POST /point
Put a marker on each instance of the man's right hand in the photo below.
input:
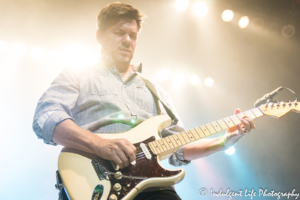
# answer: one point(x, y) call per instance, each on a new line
point(121, 151)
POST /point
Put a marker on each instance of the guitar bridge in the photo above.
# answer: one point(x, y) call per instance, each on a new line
point(100, 170)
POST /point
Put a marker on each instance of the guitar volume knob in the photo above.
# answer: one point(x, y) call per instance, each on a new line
point(117, 187)
point(113, 197)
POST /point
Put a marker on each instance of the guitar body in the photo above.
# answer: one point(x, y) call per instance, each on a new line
point(80, 177)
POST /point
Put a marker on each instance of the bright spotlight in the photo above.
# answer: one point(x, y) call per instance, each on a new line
point(230, 151)
point(3, 46)
point(288, 31)
point(244, 21)
point(194, 79)
point(76, 56)
point(37, 53)
point(181, 5)
point(18, 49)
point(200, 9)
point(178, 79)
point(227, 15)
point(164, 74)
point(209, 82)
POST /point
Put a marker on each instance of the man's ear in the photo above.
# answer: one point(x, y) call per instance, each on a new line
point(98, 37)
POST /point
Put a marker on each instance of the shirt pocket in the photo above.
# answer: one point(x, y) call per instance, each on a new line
point(144, 99)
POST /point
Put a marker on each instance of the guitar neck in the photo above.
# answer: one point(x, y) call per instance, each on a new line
point(172, 143)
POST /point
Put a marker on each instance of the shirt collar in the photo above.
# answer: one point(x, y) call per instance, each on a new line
point(106, 61)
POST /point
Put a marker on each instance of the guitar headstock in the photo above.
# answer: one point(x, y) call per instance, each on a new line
point(280, 109)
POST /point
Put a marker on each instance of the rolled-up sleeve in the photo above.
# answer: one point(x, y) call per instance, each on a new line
point(56, 105)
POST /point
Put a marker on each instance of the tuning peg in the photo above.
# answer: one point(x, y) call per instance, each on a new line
point(290, 103)
point(272, 105)
point(278, 104)
point(296, 103)
point(283, 104)
point(266, 105)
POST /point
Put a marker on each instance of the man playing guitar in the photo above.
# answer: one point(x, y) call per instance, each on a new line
point(111, 98)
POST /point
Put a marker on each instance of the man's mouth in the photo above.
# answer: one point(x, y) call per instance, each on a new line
point(125, 50)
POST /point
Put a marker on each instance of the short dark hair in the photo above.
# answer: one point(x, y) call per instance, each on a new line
point(117, 10)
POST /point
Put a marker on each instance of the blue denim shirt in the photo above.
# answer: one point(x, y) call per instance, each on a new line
point(97, 99)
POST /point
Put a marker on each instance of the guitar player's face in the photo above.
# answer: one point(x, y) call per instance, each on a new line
point(119, 40)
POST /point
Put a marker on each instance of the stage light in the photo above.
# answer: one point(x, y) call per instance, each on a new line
point(75, 56)
point(93, 58)
point(181, 5)
point(227, 15)
point(230, 151)
point(209, 82)
point(37, 53)
point(3, 46)
point(244, 21)
point(178, 79)
point(164, 74)
point(18, 49)
point(288, 31)
point(200, 9)
point(194, 79)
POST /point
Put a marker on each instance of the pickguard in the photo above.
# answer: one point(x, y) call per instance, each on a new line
point(148, 168)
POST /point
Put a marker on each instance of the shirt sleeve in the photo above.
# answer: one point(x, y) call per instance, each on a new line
point(56, 105)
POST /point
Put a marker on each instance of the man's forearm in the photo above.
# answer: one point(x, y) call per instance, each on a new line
point(203, 148)
point(68, 134)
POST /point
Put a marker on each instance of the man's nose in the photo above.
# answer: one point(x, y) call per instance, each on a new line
point(126, 40)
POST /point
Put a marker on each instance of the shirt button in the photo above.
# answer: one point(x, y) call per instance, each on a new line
point(145, 90)
point(115, 70)
point(127, 101)
point(124, 85)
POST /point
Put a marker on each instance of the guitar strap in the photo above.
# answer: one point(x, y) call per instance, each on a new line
point(151, 87)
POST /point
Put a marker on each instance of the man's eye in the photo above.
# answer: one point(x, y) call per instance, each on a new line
point(119, 33)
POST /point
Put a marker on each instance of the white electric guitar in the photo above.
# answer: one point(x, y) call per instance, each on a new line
point(88, 177)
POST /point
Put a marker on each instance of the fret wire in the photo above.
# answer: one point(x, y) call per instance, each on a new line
point(229, 121)
point(158, 145)
point(173, 141)
point(205, 131)
point(169, 143)
point(177, 140)
point(250, 114)
point(185, 137)
point(216, 126)
point(253, 113)
point(161, 146)
point(221, 123)
point(166, 143)
point(210, 128)
point(151, 147)
point(197, 133)
point(235, 119)
point(202, 135)
point(182, 140)
point(192, 138)
point(196, 136)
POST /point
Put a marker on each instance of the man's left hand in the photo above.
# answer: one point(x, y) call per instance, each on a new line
point(235, 133)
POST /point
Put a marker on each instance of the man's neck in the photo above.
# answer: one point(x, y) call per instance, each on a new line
point(124, 70)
